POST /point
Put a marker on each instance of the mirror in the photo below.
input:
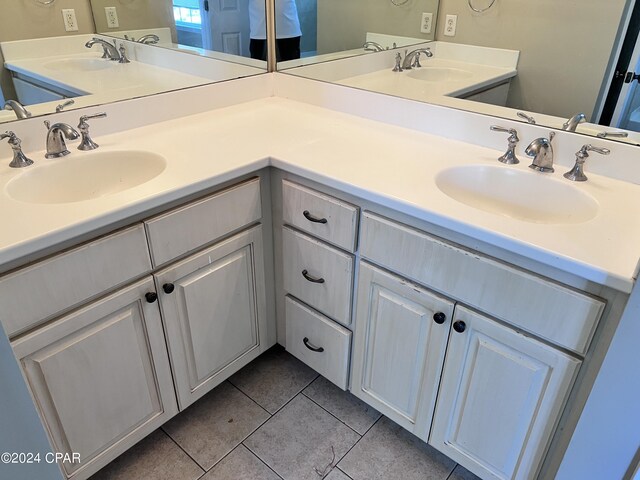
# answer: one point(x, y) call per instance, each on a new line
point(171, 44)
point(544, 62)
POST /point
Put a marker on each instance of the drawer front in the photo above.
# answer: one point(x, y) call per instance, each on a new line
point(555, 313)
point(37, 293)
point(323, 216)
point(327, 281)
point(318, 342)
point(182, 230)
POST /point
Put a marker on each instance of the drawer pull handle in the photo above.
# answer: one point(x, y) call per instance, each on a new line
point(168, 287)
point(151, 297)
point(305, 340)
point(459, 326)
point(306, 275)
point(313, 219)
point(439, 318)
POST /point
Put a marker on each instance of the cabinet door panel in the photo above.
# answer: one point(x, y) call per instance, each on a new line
point(105, 381)
point(500, 397)
point(215, 316)
point(399, 349)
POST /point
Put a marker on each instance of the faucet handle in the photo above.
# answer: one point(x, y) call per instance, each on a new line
point(62, 106)
point(87, 143)
point(526, 117)
point(19, 158)
point(576, 174)
point(509, 156)
point(398, 67)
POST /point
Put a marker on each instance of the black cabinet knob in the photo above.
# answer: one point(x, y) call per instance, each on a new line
point(459, 326)
point(439, 318)
point(168, 287)
point(151, 297)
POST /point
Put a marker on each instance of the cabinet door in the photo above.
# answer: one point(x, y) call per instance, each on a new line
point(100, 377)
point(214, 309)
point(500, 398)
point(399, 347)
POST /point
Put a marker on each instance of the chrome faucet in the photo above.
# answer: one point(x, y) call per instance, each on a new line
point(56, 133)
point(509, 156)
point(372, 47)
point(526, 117)
point(542, 152)
point(149, 39)
point(64, 105)
point(571, 124)
point(576, 174)
point(406, 65)
point(86, 143)
point(19, 158)
point(109, 50)
point(17, 108)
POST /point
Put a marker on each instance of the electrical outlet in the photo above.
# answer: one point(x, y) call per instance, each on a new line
point(112, 17)
point(69, 18)
point(427, 22)
point(450, 24)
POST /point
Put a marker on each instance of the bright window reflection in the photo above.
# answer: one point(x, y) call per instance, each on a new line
point(187, 12)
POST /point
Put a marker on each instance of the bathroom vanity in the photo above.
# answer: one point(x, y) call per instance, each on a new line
point(479, 332)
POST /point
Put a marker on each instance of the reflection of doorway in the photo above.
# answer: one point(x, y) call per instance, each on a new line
point(219, 25)
point(622, 105)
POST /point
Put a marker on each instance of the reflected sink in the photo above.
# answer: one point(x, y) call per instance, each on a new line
point(438, 74)
point(85, 176)
point(80, 64)
point(528, 196)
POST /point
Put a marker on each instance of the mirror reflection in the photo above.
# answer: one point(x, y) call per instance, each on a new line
point(64, 54)
point(551, 62)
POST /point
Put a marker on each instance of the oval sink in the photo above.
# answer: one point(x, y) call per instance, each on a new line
point(438, 74)
point(80, 64)
point(527, 196)
point(85, 176)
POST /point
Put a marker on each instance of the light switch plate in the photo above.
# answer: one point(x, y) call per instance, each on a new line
point(427, 22)
point(70, 21)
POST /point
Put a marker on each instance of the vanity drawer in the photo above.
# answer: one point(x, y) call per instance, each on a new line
point(327, 281)
point(556, 313)
point(323, 216)
point(39, 292)
point(308, 332)
point(186, 228)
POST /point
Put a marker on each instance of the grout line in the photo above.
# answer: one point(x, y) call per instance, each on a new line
point(451, 473)
point(261, 460)
point(204, 470)
point(240, 390)
point(343, 472)
point(334, 416)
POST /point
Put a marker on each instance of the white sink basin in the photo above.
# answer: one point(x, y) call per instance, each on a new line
point(438, 74)
point(84, 176)
point(79, 64)
point(523, 195)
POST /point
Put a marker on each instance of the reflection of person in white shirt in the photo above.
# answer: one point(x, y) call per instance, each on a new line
point(288, 31)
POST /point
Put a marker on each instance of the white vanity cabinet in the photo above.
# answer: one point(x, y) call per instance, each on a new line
point(214, 310)
point(500, 397)
point(100, 376)
point(400, 338)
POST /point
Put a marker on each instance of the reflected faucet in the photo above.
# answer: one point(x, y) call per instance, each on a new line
point(56, 134)
point(406, 65)
point(372, 47)
point(571, 124)
point(150, 39)
point(109, 50)
point(17, 108)
point(542, 152)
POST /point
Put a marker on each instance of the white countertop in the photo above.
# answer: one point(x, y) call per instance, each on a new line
point(389, 165)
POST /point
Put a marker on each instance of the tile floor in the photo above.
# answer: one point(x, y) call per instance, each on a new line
point(277, 419)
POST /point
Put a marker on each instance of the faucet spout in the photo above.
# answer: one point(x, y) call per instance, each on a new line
point(149, 39)
point(56, 134)
point(408, 59)
point(109, 50)
point(571, 124)
point(372, 47)
point(17, 108)
point(542, 152)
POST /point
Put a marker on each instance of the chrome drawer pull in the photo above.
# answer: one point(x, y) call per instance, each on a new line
point(305, 340)
point(311, 218)
point(308, 277)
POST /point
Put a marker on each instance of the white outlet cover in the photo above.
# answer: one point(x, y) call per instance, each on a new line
point(450, 25)
point(426, 23)
point(112, 17)
point(69, 19)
